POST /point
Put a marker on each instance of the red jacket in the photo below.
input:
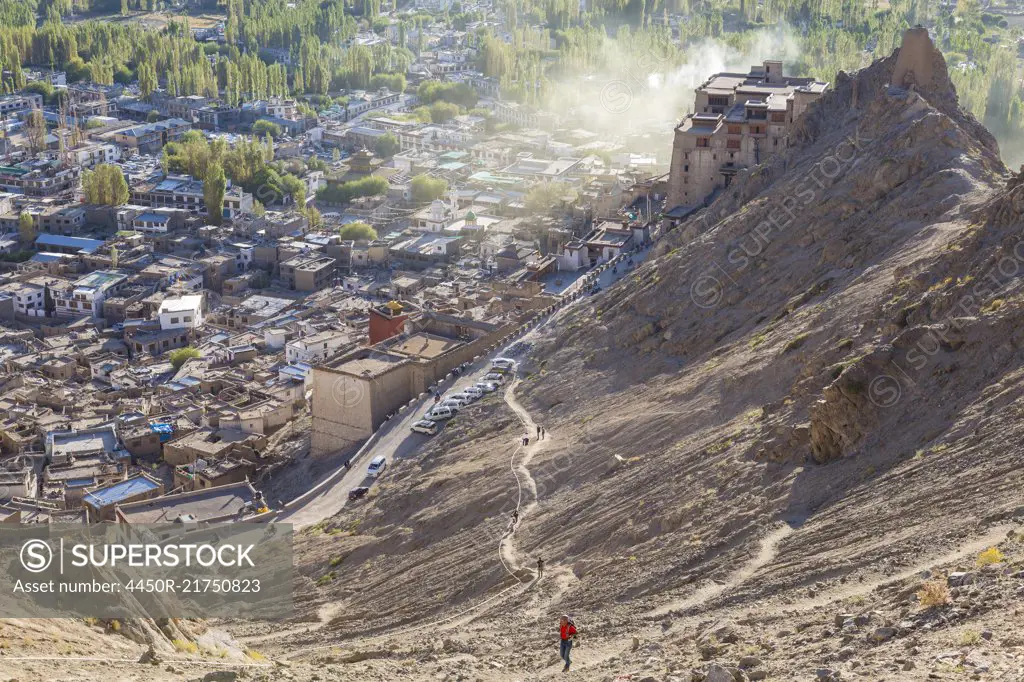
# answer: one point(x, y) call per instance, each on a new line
point(567, 631)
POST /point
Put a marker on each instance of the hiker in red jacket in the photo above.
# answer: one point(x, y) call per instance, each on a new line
point(567, 629)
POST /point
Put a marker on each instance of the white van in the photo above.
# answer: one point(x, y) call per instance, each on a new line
point(453, 405)
point(377, 466)
point(439, 414)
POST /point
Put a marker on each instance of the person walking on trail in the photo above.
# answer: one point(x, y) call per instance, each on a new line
point(538, 432)
point(540, 568)
point(543, 433)
point(526, 440)
point(567, 631)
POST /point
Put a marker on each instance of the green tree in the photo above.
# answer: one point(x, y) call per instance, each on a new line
point(263, 128)
point(214, 187)
point(346, 192)
point(105, 186)
point(316, 221)
point(147, 79)
point(27, 231)
point(440, 112)
point(295, 188)
point(357, 232)
point(36, 132)
point(542, 196)
point(425, 188)
point(386, 146)
point(179, 356)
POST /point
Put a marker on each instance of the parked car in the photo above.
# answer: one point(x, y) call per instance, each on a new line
point(487, 386)
point(502, 365)
point(474, 391)
point(357, 493)
point(425, 426)
point(439, 414)
point(377, 466)
point(495, 378)
point(595, 290)
point(463, 397)
point(453, 405)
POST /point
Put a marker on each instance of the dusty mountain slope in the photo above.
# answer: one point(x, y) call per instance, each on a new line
point(789, 361)
point(814, 395)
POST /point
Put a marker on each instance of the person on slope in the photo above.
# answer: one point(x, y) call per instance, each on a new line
point(567, 630)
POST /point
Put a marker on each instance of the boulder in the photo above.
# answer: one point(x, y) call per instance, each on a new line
point(717, 673)
point(883, 634)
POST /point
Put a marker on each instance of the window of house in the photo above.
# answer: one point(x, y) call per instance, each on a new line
point(174, 320)
point(703, 142)
point(778, 117)
point(187, 318)
point(735, 130)
point(732, 144)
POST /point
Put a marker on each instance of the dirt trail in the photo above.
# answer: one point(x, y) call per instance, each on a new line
point(767, 552)
point(971, 549)
point(507, 554)
point(524, 480)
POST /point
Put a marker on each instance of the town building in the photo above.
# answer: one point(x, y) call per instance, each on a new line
point(317, 347)
point(307, 272)
point(84, 297)
point(39, 178)
point(181, 313)
point(185, 192)
point(149, 138)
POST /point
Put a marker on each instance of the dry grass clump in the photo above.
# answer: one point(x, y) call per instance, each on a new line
point(934, 593)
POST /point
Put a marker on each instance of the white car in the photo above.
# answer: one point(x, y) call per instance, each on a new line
point(474, 391)
point(453, 405)
point(487, 386)
point(377, 466)
point(439, 414)
point(425, 426)
point(502, 365)
point(495, 378)
point(464, 397)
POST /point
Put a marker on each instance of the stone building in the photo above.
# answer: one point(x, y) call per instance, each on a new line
point(739, 120)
